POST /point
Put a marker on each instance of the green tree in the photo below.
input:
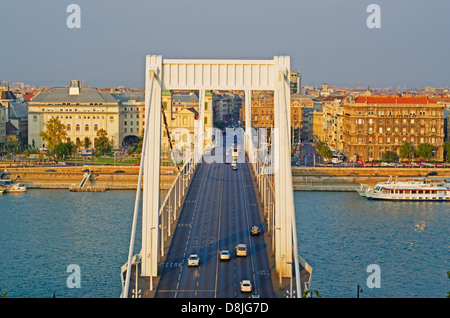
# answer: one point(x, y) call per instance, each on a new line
point(12, 146)
point(54, 133)
point(103, 144)
point(64, 149)
point(390, 156)
point(406, 150)
point(323, 150)
point(447, 150)
point(310, 293)
point(425, 151)
point(87, 143)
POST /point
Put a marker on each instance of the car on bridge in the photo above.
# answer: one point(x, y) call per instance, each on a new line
point(255, 231)
point(224, 254)
point(246, 286)
point(193, 260)
point(241, 250)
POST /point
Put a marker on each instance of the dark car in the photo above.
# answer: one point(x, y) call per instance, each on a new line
point(50, 170)
point(432, 173)
point(119, 171)
point(255, 230)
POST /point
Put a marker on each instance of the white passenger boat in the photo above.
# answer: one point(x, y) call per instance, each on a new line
point(419, 189)
point(15, 188)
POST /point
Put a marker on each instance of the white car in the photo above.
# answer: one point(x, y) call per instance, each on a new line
point(246, 286)
point(224, 254)
point(193, 260)
point(241, 250)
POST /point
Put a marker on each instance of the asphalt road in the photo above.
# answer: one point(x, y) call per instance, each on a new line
point(219, 210)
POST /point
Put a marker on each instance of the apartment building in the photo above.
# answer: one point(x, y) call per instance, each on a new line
point(374, 125)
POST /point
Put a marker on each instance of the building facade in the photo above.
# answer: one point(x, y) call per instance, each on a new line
point(181, 112)
point(2, 129)
point(374, 125)
point(84, 111)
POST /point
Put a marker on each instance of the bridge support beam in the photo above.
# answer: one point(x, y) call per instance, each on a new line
point(151, 189)
point(284, 204)
point(221, 75)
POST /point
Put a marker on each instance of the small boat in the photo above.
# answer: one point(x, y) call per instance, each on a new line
point(419, 189)
point(16, 188)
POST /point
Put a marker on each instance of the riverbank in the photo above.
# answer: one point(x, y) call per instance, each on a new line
point(62, 177)
point(350, 178)
point(126, 177)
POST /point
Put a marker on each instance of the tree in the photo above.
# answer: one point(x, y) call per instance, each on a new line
point(103, 144)
point(390, 156)
point(425, 151)
point(54, 133)
point(323, 150)
point(406, 150)
point(64, 149)
point(87, 143)
point(447, 150)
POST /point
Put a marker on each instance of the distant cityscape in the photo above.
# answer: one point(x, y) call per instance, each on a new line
point(361, 123)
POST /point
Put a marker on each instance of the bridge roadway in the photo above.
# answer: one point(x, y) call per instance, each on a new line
point(219, 210)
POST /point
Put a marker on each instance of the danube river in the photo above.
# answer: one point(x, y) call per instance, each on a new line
point(43, 232)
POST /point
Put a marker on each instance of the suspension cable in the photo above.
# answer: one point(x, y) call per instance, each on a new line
point(183, 174)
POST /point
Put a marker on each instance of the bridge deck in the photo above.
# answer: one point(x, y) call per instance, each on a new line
point(219, 209)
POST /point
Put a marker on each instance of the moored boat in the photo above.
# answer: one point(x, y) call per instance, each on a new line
point(15, 188)
point(418, 189)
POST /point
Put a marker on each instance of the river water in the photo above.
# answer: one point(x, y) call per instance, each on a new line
point(43, 232)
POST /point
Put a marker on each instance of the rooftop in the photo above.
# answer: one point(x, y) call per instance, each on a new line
point(61, 95)
point(395, 100)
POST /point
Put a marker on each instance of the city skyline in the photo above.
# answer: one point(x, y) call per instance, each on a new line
point(328, 42)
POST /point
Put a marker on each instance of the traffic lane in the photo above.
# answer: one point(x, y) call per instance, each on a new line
point(195, 282)
point(245, 265)
point(238, 267)
point(177, 255)
point(226, 285)
point(262, 283)
point(210, 230)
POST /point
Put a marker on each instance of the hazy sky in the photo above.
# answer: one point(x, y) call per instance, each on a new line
point(328, 40)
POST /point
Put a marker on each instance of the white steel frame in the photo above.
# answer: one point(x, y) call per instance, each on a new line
point(247, 75)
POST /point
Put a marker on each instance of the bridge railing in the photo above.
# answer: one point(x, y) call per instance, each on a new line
point(266, 188)
point(171, 206)
point(169, 211)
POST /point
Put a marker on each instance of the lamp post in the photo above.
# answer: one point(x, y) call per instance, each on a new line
point(358, 291)
point(290, 283)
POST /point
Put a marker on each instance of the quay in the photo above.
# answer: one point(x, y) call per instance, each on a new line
point(126, 177)
point(103, 177)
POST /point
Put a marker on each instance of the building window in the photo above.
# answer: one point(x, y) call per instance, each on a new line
point(68, 127)
point(95, 127)
point(86, 128)
point(77, 127)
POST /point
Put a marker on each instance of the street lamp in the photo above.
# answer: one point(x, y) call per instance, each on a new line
point(358, 291)
point(290, 284)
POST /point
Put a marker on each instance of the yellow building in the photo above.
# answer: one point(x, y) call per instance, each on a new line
point(83, 111)
point(2, 128)
point(333, 115)
point(182, 113)
point(374, 125)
